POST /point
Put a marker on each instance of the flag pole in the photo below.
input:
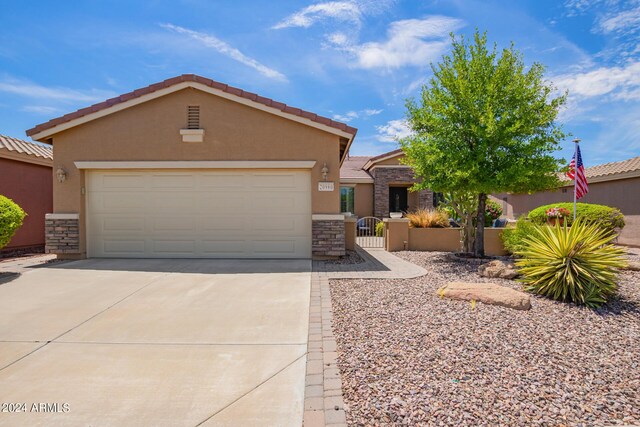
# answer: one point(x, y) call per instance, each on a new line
point(575, 177)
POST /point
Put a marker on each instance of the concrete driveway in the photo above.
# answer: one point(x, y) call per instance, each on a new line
point(155, 342)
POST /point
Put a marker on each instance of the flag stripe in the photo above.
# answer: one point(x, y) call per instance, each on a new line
point(576, 172)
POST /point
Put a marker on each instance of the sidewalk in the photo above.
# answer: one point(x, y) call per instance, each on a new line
point(379, 264)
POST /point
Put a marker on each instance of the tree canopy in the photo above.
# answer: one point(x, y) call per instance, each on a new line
point(485, 124)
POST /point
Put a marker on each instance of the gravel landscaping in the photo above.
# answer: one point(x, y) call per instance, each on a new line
point(409, 357)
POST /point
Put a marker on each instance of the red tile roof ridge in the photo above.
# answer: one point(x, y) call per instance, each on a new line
point(196, 79)
point(25, 147)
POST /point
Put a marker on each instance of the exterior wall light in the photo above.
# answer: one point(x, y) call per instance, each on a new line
point(61, 174)
point(325, 171)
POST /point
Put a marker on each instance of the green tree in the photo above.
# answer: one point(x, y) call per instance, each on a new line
point(485, 124)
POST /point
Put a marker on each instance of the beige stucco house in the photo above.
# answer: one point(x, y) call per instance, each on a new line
point(615, 184)
point(376, 186)
point(190, 167)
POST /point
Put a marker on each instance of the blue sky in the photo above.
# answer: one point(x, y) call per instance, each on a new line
point(353, 60)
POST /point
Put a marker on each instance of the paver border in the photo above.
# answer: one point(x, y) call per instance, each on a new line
point(323, 402)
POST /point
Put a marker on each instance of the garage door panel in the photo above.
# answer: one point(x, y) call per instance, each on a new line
point(222, 223)
point(199, 214)
point(170, 180)
point(118, 202)
point(174, 247)
point(281, 181)
point(221, 203)
point(222, 247)
point(170, 224)
point(123, 247)
point(222, 182)
point(118, 181)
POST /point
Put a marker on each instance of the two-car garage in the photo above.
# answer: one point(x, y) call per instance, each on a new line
point(237, 213)
point(193, 168)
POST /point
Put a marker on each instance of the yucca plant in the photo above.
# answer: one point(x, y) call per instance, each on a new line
point(577, 263)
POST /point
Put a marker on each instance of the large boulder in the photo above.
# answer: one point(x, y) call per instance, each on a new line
point(497, 268)
point(488, 293)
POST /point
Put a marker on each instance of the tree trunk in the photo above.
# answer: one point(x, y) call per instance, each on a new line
point(479, 246)
point(468, 235)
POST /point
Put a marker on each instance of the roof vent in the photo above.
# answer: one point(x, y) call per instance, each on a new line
point(193, 117)
point(193, 132)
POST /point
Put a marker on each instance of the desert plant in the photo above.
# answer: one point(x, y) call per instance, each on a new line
point(513, 237)
point(380, 229)
point(606, 217)
point(11, 217)
point(577, 263)
point(425, 218)
point(492, 211)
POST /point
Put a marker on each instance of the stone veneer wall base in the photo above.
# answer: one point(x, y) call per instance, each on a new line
point(328, 238)
point(62, 234)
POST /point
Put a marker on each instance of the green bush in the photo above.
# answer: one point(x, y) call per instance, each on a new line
point(11, 217)
point(513, 237)
point(606, 217)
point(577, 263)
point(380, 229)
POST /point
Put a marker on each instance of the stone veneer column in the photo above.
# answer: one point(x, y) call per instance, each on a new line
point(328, 235)
point(382, 177)
point(62, 233)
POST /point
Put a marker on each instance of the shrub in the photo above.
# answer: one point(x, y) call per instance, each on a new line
point(606, 217)
point(11, 217)
point(513, 237)
point(423, 218)
point(492, 211)
point(380, 229)
point(577, 264)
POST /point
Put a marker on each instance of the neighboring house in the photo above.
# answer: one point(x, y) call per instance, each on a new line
point(375, 186)
point(25, 177)
point(614, 184)
point(190, 167)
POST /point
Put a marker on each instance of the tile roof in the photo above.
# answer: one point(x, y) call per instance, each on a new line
point(628, 165)
point(610, 171)
point(197, 79)
point(352, 168)
point(25, 147)
point(387, 154)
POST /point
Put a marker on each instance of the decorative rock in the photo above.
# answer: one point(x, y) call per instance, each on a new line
point(497, 268)
point(488, 293)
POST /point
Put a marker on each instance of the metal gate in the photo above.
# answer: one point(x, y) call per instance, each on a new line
point(370, 232)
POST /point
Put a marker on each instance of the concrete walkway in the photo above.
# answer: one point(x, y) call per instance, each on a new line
point(379, 264)
point(155, 342)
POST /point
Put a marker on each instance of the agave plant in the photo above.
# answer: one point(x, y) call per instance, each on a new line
point(577, 263)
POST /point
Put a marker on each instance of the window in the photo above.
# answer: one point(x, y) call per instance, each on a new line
point(346, 199)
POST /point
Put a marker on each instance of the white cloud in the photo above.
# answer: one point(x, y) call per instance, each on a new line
point(339, 10)
point(351, 11)
point(32, 90)
point(393, 130)
point(621, 22)
point(227, 50)
point(413, 42)
point(350, 115)
point(621, 82)
point(40, 109)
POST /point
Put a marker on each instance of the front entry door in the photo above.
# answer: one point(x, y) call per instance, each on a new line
point(398, 199)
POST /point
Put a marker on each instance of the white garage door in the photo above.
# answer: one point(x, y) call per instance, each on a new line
point(199, 214)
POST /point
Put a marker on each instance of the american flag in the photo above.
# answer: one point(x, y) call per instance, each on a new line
point(582, 187)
